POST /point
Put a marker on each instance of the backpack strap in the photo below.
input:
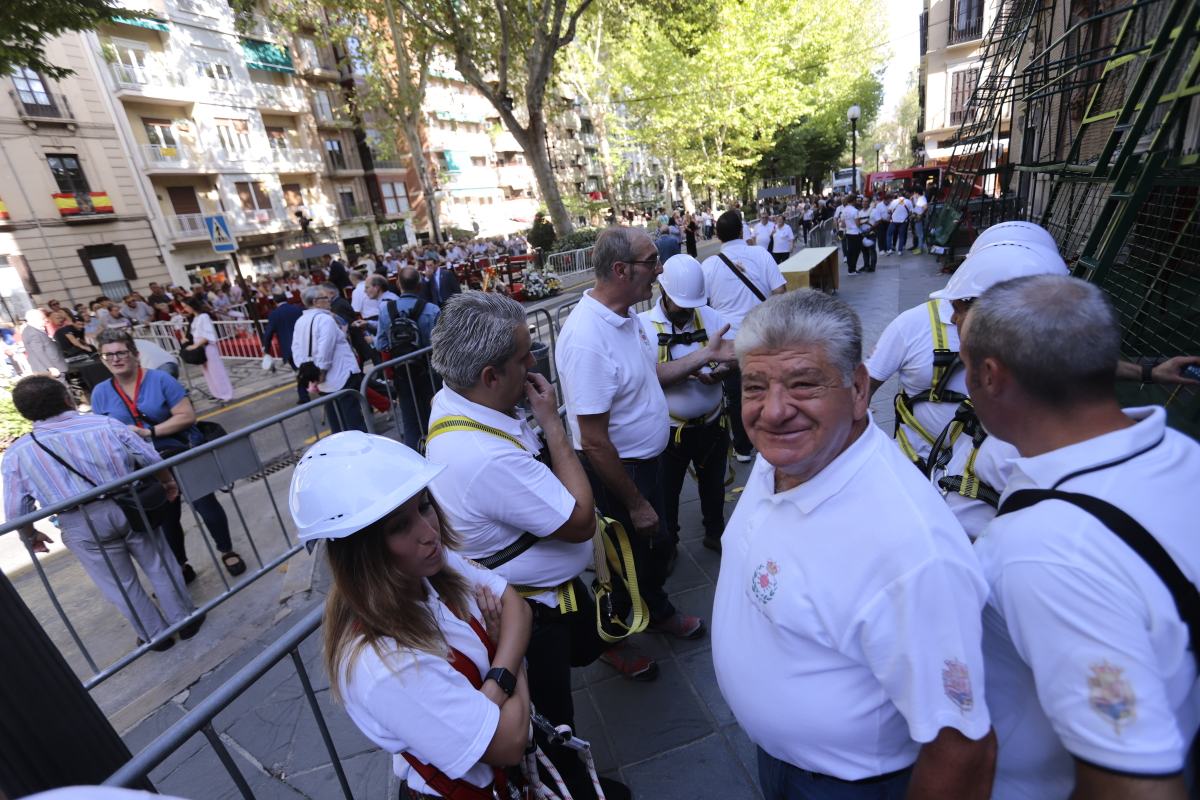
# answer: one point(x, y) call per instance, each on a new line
point(1137, 538)
point(418, 308)
point(742, 277)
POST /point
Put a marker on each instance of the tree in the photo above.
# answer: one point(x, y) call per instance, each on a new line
point(895, 130)
point(26, 25)
point(504, 51)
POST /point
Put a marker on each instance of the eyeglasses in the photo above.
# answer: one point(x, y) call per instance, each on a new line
point(116, 355)
point(654, 262)
point(324, 298)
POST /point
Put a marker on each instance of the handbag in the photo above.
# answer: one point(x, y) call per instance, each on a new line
point(195, 356)
point(144, 494)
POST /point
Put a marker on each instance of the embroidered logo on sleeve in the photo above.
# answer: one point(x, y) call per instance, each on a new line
point(956, 683)
point(764, 583)
point(1110, 695)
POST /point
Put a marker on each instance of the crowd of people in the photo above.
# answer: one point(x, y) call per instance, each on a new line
point(998, 600)
point(871, 225)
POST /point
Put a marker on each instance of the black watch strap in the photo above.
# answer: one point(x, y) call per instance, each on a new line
point(503, 678)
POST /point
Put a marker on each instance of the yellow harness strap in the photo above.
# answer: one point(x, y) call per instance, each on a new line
point(664, 351)
point(452, 423)
point(904, 404)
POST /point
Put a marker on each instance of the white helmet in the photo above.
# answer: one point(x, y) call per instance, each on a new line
point(682, 280)
point(999, 262)
point(349, 480)
point(1015, 231)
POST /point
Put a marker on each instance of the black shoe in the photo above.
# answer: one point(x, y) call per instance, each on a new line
point(712, 543)
point(189, 574)
point(161, 647)
point(192, 628)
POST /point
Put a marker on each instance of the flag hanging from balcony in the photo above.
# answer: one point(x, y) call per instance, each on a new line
point(267, 56)
point(70, 204)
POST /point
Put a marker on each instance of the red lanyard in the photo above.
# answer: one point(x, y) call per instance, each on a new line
point(131, 404)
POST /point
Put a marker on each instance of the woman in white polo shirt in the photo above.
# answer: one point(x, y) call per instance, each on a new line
point(424, 648)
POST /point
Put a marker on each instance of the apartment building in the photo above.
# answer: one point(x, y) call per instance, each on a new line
point(73, 223)
point(952, 34)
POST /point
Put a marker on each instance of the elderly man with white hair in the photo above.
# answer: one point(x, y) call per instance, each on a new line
point(846, 624)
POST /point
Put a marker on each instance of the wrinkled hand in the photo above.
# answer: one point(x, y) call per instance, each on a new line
point(1169, 372)
point(542, 399)
point(37, 543)
point(721, 349)
point(489, 607)
point(645, 519)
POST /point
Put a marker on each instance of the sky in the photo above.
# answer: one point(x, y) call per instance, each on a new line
point(903, 38)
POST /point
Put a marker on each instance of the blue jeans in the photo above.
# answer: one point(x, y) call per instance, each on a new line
point(898, 236)
point(919, 233)
point(780, 780)
point(414, 397)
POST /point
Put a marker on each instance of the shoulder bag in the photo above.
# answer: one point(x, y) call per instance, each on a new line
point(742, 277)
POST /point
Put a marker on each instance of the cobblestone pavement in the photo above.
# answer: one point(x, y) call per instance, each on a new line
point(674, 738)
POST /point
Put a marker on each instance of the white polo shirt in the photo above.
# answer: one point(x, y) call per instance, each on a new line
point(849, 217)
point(606, 362)
point(761, 231)
point(358, 297)
point(689, 399)
point(1086, 654)
point(492, 492)
point(727, 295)
point(900, 208)
point(919, 206)
point(415, 702)
point(783, 239)
point(846, 624)
point(906, 346)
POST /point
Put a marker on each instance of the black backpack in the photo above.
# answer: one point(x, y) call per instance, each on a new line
point(404, 335)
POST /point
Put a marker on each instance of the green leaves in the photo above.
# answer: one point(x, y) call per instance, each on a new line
point(25, 25)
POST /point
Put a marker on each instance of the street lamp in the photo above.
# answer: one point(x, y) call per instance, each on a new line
point(878, 147)
point(852, 114)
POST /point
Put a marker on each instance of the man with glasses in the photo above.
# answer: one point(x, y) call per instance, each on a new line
point(619, 420)
point(323, 354)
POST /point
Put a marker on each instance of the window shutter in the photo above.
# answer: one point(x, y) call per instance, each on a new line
point(21, 266)
point(125, 261)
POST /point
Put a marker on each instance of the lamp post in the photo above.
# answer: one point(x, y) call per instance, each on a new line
point(852, 114)
point(878, 147)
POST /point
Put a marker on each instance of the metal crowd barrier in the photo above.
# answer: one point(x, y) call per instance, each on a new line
point(200, 719)
point(238, 340)
point(570, 262)
point(231, 468)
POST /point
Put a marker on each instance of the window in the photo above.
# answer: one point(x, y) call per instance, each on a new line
point(253, 196)
point(346, 201)
point(333, 149)
point(68, 174)
point(962, 85)
point(217, 74)
point(278, 139)
point(395, 198)
point(234, 135)
point(293, 197)
point(323, 107)
point(966, 23)
point(31, 89)
point(109, 267)
point(478, 161)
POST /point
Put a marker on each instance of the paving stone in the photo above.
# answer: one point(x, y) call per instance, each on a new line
point(647, 718)
point(698, 666)
point(142, 734)
point(308, 748)
point(747, 752)
point(687, 573)
point(588, 726)
point(370, 775)
point(708, 561)
point(203, 776)
point(704, 769)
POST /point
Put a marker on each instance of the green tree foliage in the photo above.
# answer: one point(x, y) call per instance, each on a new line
point(894, 130)
point(714, 94)
point(26, 25)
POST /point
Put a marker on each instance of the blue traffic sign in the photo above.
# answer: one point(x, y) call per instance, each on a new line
point(218, 233)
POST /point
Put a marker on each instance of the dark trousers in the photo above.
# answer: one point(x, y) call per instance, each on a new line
point(733, 401)
point(210, 510)
point(651, 554)
point(806, 226)
point(557, 643)
point(414, 397)
point(853, 248)
point(898, 234)
point(870, 257)
point(780, 780)
point(707, 447)
point(345, 413)
point(780, 257)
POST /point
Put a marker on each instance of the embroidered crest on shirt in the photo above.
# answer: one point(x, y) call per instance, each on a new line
point(764, 582)
point(1110, 695)
point(956, 683)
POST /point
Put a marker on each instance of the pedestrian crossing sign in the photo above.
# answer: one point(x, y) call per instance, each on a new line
point(218, 233)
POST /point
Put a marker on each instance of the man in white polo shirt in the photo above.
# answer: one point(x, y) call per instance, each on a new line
point(737, 279)
point(1091, 671)
point(618, 413)
point(898, 232)
point(762, 230)
point(531, 523)
point(688, 335)
point(846, 624)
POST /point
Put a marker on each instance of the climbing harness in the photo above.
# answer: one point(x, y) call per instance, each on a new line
point(945, 363)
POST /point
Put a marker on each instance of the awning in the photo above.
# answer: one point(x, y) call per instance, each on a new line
point(142, 22)
point(267, 56)
point(776, 191)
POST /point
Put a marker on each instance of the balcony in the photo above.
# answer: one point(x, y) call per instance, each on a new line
point(187, 226)
point(390, 163)
point(239, 159)
point(279, 98)
point(148, 82)
point(287, 159)
point(56, 111)
point(343, 163)
point(197, 7)
point(966, 30)
point(255, 219)
point(83, 205)
point(352, 210)
point(170, 158)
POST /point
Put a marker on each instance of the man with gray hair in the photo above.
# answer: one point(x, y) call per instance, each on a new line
point(531, 523)
point(619, 419)
point(1089, 634)
point(41, 351)
point(846, 624)
point(324, 360)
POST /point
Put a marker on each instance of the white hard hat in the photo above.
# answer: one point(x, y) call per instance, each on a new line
point(999, 262)
point(1015, 231)
point(682, 280)
point(348, 480)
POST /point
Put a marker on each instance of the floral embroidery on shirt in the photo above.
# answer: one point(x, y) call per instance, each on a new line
point(956, 682)
point(1110, 695)
point(764, 582)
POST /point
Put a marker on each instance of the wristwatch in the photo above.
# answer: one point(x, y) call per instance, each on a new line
point(503, 678)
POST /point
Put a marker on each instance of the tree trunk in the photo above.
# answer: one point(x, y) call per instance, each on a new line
point(533, 141)
point(416, 149)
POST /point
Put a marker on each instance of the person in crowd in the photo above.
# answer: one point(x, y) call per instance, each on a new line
point(159, 299)
point(203, 335)
point(67, 454)
point(619, 420)
point(667, 243)
point(878, 224)
point(736, 280)
point(899, 210)
point(690, 228)
point(440, 283)
point(41, 351)
point(335, 272)
point(852, 659)
point(358, 294)
point(870, 254)
point(413, 382)
point(137, 310)
point(482, 350)
point(281, 324)
point(153, 356)
point(689, 337)
point(319, 340)
point(378, 292)
point(403, 597)
point(782, 239)
point(83, 365)
point(156, 407)
point(919, 206)
point(807, 216)
point(114, 317)
point(848, 216)
point(1090, 672)
point(706, 219)
point(762, 231)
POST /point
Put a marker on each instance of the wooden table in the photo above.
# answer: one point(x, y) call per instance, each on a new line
point(812, 267)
